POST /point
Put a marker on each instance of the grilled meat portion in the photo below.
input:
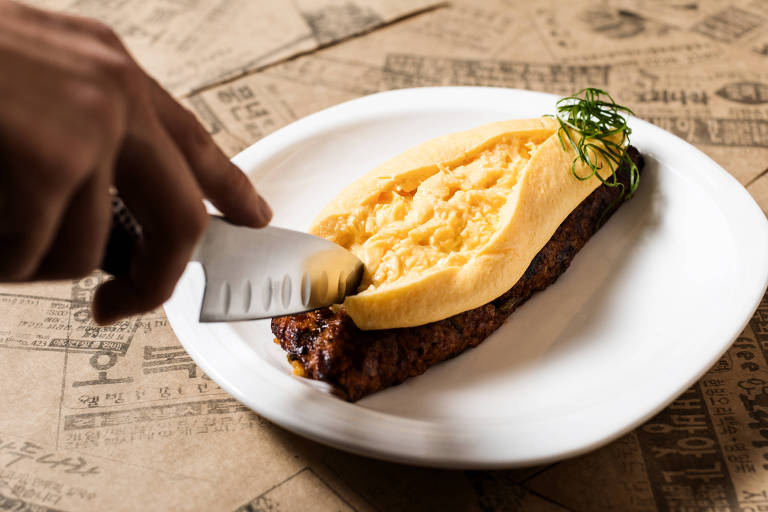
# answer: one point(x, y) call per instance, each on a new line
point(326, 345)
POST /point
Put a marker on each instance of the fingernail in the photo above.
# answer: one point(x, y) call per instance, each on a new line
point(264, 212)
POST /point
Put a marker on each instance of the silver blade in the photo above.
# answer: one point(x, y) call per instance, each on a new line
point(262, 273)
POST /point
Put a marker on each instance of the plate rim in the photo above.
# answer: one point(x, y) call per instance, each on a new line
point(277, 413)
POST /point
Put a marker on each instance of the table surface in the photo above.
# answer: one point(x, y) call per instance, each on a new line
point(120, 418)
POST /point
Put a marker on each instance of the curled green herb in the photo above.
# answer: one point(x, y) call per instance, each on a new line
point(595, 126)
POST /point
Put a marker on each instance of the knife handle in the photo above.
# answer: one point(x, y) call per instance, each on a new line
point(124, 235)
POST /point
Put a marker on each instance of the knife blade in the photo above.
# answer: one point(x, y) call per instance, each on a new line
point(252, 273)
point(270, 271)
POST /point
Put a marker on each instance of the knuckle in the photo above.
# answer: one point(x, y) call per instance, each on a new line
point(102, 110)
point(121, 70)
point(95, 102)
point(193, 135)
point(27, 12)
point(102, 32)
point(112, 69)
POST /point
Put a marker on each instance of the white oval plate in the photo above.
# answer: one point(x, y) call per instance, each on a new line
point(645, 309)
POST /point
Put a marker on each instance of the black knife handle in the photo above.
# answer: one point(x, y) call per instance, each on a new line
point(124, 235)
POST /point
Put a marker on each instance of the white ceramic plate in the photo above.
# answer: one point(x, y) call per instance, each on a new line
point(645, 309)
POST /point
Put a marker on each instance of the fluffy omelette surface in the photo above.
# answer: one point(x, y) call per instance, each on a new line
point(453, 223)
point(415, 225)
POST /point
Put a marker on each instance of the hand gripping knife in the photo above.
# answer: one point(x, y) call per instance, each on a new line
point(252, 273)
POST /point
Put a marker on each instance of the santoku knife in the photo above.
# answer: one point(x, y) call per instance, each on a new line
point(252, 273)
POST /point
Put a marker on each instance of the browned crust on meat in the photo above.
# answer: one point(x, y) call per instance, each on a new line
point(328, 346)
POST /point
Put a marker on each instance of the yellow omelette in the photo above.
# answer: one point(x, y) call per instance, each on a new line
point(453, 223)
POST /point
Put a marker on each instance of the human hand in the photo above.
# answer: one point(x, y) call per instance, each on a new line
point(79, 117)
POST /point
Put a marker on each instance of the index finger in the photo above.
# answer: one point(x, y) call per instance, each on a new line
point(157, 186)
point(221, 181)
